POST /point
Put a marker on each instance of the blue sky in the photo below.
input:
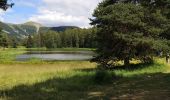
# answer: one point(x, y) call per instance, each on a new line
point(50, 12)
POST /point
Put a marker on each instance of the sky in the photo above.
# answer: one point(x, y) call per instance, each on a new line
point(51, 12)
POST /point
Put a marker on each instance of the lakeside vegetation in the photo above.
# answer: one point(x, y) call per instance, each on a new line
point(70, 38)
point(76, 80)
point(9, 54)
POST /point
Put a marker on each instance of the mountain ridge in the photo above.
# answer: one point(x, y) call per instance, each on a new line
point(29, 28)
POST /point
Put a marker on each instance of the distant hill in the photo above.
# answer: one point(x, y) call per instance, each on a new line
point(29, 28)
point(57, 29)
point(32, 24)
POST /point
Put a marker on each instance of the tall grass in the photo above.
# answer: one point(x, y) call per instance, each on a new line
point(75, 80)
point(9, 54)
point(15, 74)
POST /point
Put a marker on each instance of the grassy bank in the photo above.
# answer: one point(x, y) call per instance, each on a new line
point(75, 80)
point(80, 80)
point(9, 54)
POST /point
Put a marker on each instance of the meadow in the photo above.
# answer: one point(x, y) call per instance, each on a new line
point(80, 80)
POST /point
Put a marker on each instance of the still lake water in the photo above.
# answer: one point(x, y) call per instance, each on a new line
point(56, 55)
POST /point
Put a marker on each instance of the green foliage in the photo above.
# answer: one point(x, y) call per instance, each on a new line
point(4, 4)
point(13, 42)
point(128, 29)
point(20, 31)
point(73, 38)
point(65, 36)
point(52, 40)
point(29, 42)
point(4, 40)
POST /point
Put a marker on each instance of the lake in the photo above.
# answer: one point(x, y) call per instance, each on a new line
point(56, 55)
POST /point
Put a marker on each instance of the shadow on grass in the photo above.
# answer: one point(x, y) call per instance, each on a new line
point(132, 67)
point(82, 87)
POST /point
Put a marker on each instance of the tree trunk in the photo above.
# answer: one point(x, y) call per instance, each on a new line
point(126, 61)
point(167, 58)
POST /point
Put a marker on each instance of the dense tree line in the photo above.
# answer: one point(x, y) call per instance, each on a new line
point(7, 41)
point(4, 40)
point(77, 38)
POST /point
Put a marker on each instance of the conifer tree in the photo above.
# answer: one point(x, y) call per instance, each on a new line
point(130, 29)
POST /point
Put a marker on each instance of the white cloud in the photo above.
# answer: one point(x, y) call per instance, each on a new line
point(65, 12)
point(52, 18)
point(2, 13)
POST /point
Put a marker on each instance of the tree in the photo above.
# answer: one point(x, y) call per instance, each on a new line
point(4, 5)
point(77, 38)
point(125, 27)
point(4, 40)
point(29, 43)
point(14, 45)
point(50, 39)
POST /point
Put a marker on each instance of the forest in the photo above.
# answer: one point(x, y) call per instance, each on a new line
point(73, 38)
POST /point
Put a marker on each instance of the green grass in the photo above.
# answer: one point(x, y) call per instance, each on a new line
point(8, 55)
point(28, 80)
point(76, 80)
point(143, 69)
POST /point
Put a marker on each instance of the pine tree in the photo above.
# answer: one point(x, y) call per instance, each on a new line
point(125, 27)
point(29, 43)
point(4, 4)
